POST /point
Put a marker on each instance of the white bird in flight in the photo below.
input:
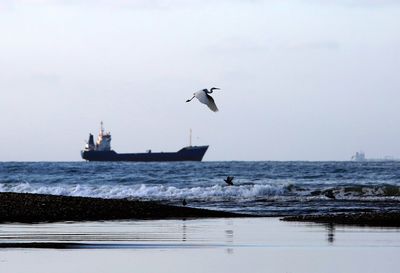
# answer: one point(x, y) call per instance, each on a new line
point(204, 97)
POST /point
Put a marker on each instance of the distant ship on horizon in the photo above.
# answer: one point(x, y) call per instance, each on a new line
point(360, 157)
point(101, 151)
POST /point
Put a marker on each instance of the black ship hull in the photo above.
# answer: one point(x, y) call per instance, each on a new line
point(191, 153)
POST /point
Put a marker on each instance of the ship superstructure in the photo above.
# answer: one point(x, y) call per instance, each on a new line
point(103, 142)
point(359, 156)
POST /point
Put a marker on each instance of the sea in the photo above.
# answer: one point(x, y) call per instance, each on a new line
point(234, 245)
point(264, 188)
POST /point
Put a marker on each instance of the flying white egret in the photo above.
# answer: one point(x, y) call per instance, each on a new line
point(204, 97)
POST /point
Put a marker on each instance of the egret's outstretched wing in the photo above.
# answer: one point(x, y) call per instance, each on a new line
point(201, 96)
point(211, 104)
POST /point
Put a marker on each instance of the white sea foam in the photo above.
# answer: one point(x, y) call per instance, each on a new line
point(155, 192)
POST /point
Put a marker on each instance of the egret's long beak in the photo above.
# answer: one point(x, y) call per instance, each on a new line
point(190, 99)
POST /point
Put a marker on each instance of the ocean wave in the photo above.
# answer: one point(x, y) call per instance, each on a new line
point(211, 193)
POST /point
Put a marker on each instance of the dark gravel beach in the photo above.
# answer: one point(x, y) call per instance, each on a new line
point(32, 208)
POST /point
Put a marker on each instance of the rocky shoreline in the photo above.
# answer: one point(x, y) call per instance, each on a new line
point(34, 208)
point(378, 219)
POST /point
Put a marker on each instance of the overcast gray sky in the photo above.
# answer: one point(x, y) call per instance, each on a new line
point(300, 79)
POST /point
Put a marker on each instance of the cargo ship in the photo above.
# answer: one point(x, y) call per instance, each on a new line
point(101, 151)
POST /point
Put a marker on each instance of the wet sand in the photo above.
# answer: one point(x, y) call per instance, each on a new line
point(230, 245)
point(33, 208)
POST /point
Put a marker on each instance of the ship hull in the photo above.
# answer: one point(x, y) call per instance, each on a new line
point(193, 153)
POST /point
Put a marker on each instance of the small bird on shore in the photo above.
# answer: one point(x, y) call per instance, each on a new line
point(204, 97)
point(229, 180)
point(184, 202)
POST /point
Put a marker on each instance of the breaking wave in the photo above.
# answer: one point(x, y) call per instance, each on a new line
point(247, 192)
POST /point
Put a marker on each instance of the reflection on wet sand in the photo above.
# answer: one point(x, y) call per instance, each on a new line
point(330, 228)
point(229, 240)
point(183, 230)
point(229, 236)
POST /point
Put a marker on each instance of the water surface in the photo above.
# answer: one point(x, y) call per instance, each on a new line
point(264, 188)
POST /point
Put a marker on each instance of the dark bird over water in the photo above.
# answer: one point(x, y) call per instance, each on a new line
point(330, 194)
point(229, 180)
point(204, 97)
point(184, 202)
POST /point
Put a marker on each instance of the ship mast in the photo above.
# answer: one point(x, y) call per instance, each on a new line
point(190, 137)
point(101, 128)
